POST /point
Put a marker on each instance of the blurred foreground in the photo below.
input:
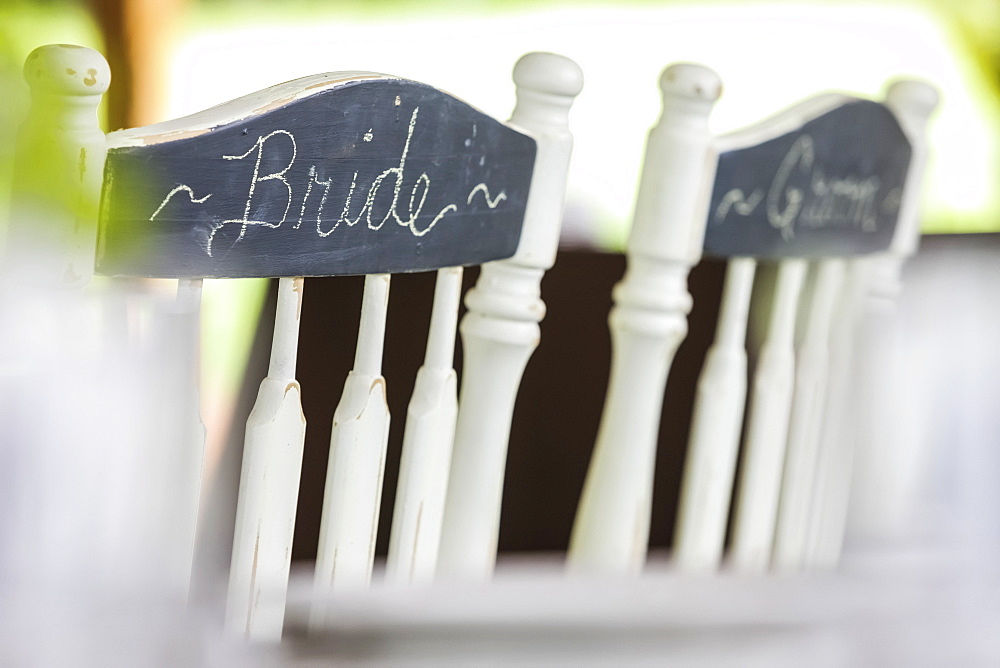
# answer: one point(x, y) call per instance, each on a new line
point(95, 542)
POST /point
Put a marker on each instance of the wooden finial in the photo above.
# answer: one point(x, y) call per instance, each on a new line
point(67, 70)
point(669, 213)
point(913, 102)
point(546, 87)
point(548, 73)
point(59, 165)
point(909, 97)
point(690, 81)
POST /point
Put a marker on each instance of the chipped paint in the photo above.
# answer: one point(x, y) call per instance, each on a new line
point(328, 82)
point(174, 136)
point(380, 381)
point(297, 285)
point(251, 607)
point(416, 541)
point(372, 533)
point(318, 87)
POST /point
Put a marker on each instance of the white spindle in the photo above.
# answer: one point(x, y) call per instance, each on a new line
point(812, 356)
point(59, 167)
point(880, 455)
point(913, 102)
point(353, 492)
point(187, 495)
point(269, 484)
point(767, 426)
point(710, 464)
point(500, 330)
point(846, 387)
point(648, 322)
point(427, 444)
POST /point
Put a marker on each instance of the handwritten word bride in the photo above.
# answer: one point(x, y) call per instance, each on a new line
point(413, 201)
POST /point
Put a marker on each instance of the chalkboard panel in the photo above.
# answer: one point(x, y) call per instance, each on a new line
point(830, 188)
point(370, 176)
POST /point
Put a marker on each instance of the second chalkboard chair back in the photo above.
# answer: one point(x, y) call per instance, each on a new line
point(338, 174)
point(817, 195)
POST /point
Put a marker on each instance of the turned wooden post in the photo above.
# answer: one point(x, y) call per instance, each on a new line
point(880, 454)
point(59, 167)
point(648, 322)
point(500, 330)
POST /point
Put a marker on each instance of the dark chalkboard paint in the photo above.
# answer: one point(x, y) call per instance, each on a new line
point(368, 176)
point(830, 188)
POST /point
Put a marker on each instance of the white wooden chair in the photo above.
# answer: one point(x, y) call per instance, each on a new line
point(813, 191)
point(344, 173)
point(103, 371)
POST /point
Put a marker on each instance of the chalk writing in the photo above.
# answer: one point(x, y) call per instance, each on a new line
point(245, 221)
point(735, 199)
point(830, 187)
point(483, 188)
point(269, 147)
point(846, 200)
point(369, 176)
point(180, 188)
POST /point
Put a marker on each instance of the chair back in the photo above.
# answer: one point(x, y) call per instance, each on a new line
point(809, 196)
point(338, 174)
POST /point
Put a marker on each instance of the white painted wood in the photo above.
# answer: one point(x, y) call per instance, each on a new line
point(238, 109)
point(269, 485)
point(500, 330)
point(883, 474)
point(187, 494)
point(353, 492)
point(57, 188)
point(812, 356)
point(710, 464)
point(783, 122)
point(913, 102)
point(882, 458)
point(427, 445)
point(767, 426)
point(59, 168)
point(648, 322)
point(846, 392)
